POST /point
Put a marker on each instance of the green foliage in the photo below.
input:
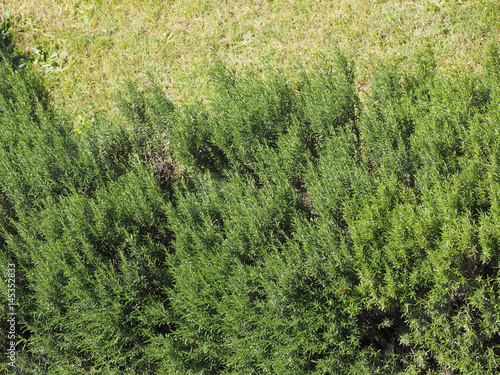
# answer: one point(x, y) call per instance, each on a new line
point(99, 274)
point(6, 44)
point(84, 221)
point(283, 228)
point(8, 51)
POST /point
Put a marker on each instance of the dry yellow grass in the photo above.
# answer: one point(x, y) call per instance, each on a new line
point(100, 44)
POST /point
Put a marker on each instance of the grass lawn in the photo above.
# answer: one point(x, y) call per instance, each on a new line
point(89, 48)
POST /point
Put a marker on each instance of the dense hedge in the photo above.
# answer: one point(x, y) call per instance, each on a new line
point(287, 227)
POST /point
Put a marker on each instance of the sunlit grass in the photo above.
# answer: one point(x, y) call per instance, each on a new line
point(97, 45)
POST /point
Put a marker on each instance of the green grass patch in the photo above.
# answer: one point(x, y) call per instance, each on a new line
point(92, 47)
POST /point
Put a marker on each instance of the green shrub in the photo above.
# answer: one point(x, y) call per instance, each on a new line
point(286, 227)
point(85, 225)
point(99, 274)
